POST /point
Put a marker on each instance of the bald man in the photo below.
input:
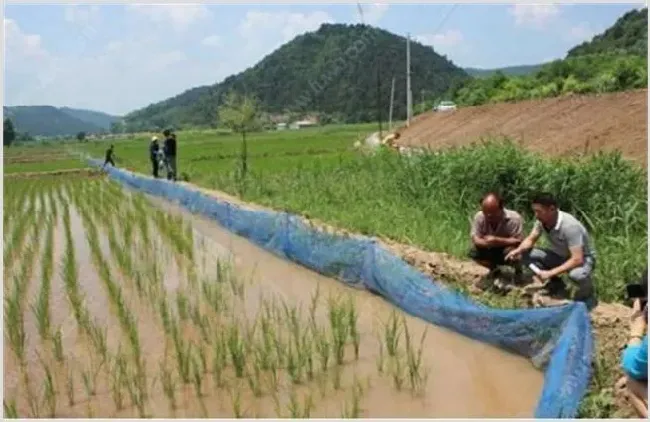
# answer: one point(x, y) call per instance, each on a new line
point(495, 231)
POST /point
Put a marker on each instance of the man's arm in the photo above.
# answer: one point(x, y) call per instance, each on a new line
point(577, 258)
point(527, 243)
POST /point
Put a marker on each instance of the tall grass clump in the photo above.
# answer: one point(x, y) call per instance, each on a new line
point(428, 200)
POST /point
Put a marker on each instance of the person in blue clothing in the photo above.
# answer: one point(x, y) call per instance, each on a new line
point(634, 359)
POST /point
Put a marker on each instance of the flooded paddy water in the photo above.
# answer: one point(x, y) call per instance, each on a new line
point(152, 311)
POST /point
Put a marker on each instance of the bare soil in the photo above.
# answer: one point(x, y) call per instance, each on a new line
point(563, 126)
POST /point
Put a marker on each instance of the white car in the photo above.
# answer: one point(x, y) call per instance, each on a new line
point(445, 106)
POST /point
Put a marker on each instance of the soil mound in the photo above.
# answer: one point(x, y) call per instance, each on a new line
point(569, 125)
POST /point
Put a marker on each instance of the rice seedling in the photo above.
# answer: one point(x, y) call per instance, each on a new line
point(353, 408)
point(197, 376)
point(49, 394)
point(254, 379)
point(392, 334)
point(10, 410)
point(352, 323)
point(236, 349)
point(168, 384)
point(70, 388)
point(417, 380)
point(183, 353)
point(339, 329)
point(235, 396)
point(41, 309)
point(219, 358)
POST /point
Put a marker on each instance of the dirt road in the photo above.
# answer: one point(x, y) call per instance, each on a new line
point(556, 126)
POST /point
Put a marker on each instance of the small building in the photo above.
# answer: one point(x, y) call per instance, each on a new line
point(302, 124)
point(281, 126)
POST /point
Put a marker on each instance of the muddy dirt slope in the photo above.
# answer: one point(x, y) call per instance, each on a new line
point(558, 126)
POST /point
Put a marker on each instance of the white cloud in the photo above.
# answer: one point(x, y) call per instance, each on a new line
point(259, 24)
point(82, 15)
point(179, 16)
point(212, 41)
point(449, 38)
point(580, 32)
point(373, 13)
point(20, 46)
point(535, 15)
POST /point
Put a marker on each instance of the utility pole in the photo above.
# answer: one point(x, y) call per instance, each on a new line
point(379, 97)
point(390, 110)
point(408, 80)
point(422, 103)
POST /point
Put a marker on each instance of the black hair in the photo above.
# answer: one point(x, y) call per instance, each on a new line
point(496, 196)
point(544, 198)
point(166, 132)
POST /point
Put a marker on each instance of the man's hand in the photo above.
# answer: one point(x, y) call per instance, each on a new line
point(544, 275)
point(513, 255)
point(489, 239)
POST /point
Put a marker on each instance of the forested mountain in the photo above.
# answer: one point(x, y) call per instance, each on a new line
point(333, 71)
point(615, 60)
point(47, 121)
point(53, 121)
point(628, 35)
point(96, 118)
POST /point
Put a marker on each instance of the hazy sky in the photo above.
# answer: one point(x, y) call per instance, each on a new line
point(116, 58)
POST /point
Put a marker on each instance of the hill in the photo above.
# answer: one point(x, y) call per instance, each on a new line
point(508, 71)
point(615, 60)
point(556, 126)
point(628, 35)
point(331, 72)
point(47, 121)
point(53, 121)
point(96, 118)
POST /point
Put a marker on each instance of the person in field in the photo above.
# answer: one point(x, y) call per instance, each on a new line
point(154, 149)
point(169, 149)
point(496, 230)
point(570, 253)
point(110, 157)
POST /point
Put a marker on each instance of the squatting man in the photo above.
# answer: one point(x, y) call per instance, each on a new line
point(497, 240)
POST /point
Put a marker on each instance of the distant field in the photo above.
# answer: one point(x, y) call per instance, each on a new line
point(42, 158)
point(205, 156)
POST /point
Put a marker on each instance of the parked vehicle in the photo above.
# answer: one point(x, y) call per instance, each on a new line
point(445, 106)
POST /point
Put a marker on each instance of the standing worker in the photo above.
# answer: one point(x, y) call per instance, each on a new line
point(109, 157)
point(170, 154)
point(154, 147)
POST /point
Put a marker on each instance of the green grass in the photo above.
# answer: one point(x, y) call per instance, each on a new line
point(426, 201)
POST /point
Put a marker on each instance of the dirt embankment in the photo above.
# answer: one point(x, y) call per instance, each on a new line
point(557, 126)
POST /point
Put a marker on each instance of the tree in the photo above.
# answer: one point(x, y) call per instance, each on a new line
point(81, 136)
point(8, 132)
point(240, 113)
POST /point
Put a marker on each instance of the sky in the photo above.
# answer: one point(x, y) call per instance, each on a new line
point(118, 58)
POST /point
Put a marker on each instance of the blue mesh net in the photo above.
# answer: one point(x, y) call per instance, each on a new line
point(557, 340)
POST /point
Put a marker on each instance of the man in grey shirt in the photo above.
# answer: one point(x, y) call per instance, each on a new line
point(570, 249)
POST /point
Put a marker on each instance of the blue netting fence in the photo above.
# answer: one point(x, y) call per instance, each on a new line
point(557, 340)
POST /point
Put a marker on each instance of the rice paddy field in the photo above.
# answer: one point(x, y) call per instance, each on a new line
point(124, 307)
point(39, 158)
